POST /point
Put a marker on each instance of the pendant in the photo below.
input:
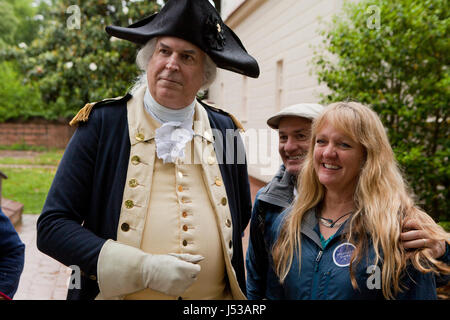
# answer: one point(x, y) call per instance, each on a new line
point(330, 223)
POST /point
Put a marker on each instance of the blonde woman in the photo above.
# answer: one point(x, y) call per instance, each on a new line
point(341, 237)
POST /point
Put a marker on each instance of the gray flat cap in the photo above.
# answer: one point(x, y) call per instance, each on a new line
point(303, 110)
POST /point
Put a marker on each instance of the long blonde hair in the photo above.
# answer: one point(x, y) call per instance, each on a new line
point(382, 201)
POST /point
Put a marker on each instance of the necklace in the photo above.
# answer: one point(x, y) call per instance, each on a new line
point(329, 223)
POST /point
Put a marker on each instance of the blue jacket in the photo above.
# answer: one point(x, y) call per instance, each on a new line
point(325, 272)
point(12, 252)
point(270, 201)
point(83, 205)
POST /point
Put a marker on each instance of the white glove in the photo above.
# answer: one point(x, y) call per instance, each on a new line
point(123, 270)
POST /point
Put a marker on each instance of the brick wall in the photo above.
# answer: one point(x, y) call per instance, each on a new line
point(51, 135)
point(255, 185)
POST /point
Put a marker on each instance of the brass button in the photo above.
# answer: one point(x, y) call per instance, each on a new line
point(224, 201)
point(133, 183)
point(135, 160)
point(185, 243)
point(228, 223)
point(92, 277)
point(140, 136)
point(129, 204)
point(180, 175)
point(185, 228)
point(218, 182)
point(180, 188)
point(125, 227)
point(184, 214)
point(230, 244)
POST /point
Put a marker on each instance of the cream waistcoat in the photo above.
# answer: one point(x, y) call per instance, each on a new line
point(180, 207)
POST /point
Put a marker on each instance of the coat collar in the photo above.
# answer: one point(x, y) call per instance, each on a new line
point(279, 191)
point(310, 227)
point(143, 125)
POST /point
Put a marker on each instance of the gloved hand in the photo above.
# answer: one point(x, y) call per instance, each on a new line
point(122, 270)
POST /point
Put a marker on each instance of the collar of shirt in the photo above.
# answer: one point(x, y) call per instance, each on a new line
point(163, 114)
point(176, 130)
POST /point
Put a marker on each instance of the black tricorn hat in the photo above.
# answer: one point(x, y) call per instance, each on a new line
point(198, 22)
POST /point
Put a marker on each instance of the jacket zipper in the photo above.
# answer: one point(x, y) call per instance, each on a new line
point(316, 275)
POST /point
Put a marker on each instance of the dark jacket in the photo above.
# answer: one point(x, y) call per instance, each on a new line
point(325, 271)
point(83, 205)
point(270, 201)
point(12, 252)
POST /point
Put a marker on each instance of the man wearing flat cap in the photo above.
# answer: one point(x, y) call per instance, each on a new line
point(294, 126)
point(151, 198)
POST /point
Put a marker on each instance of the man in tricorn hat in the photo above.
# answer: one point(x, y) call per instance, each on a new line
point(151, 196)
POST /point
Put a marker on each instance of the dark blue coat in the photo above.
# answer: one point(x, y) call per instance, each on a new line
point(270, 201)
point(262, 283)
point(12, 252)
point(83, 205)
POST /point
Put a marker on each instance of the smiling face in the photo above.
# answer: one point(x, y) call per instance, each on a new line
point(338, 159)
point(294, 134)
point(175, 72)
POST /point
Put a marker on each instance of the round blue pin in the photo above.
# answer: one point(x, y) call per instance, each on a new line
point(343, 254)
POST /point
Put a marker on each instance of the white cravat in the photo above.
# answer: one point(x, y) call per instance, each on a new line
point(176, 129)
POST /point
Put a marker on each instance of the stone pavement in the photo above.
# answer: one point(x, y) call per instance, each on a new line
point(43, 278)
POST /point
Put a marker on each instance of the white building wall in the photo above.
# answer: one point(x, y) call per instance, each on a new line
point(279, 34)
point(229, 6)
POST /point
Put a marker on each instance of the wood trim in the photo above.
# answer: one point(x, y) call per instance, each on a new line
point(242, 12)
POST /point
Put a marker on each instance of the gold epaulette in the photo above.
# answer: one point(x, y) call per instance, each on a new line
point(83, 114)
point(236, 122)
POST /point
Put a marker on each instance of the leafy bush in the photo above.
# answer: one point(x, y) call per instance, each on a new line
point(73, 60)
point(397, 62)
point(17, 100)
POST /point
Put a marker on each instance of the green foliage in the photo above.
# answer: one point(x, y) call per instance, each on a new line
point(42, 158)
point(22, 146)
point(73, 60)
point(445, 225)
point(401, 70)
point(8, 23)
point(17, 99)
point(28, 186)
point(17, 23)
